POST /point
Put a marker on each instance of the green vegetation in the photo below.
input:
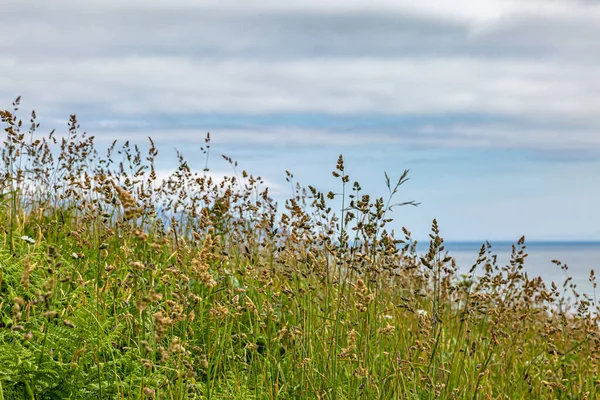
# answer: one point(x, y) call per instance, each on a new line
point(114, 285)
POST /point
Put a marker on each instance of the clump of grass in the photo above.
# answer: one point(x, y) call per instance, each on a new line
point(116, 285)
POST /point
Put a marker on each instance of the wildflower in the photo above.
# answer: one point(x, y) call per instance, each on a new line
point(28, 239)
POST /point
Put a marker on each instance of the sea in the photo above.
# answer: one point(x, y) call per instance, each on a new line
point(580, 257)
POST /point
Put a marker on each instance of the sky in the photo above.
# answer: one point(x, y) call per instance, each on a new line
point(493, 105)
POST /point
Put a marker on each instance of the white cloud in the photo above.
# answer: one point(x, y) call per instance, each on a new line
point(526, 60)
point(149, 85)
point(458, 135)
point(472, 10)
point(275, 189)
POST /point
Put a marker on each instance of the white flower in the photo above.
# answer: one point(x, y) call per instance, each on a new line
point(422, 313)
point(28, 239)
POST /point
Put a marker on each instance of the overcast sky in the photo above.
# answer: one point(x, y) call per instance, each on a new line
point(492, 104)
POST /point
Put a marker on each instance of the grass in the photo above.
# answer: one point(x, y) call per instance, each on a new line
point(115, 285)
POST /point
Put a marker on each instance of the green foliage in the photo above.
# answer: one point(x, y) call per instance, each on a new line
point(116, 285)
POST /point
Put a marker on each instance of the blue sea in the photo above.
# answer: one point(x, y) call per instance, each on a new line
point(581, 257)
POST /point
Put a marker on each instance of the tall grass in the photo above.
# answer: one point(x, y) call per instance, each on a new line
point(114, 284)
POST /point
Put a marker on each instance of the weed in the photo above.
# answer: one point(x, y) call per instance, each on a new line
point(114, 284)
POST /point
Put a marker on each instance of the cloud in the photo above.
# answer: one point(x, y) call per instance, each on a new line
point(275, 189)
point(532, 63)
point(467, 10)
point(276, 29)
point(470, 94)
point(344, 132)
point(337, 86)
